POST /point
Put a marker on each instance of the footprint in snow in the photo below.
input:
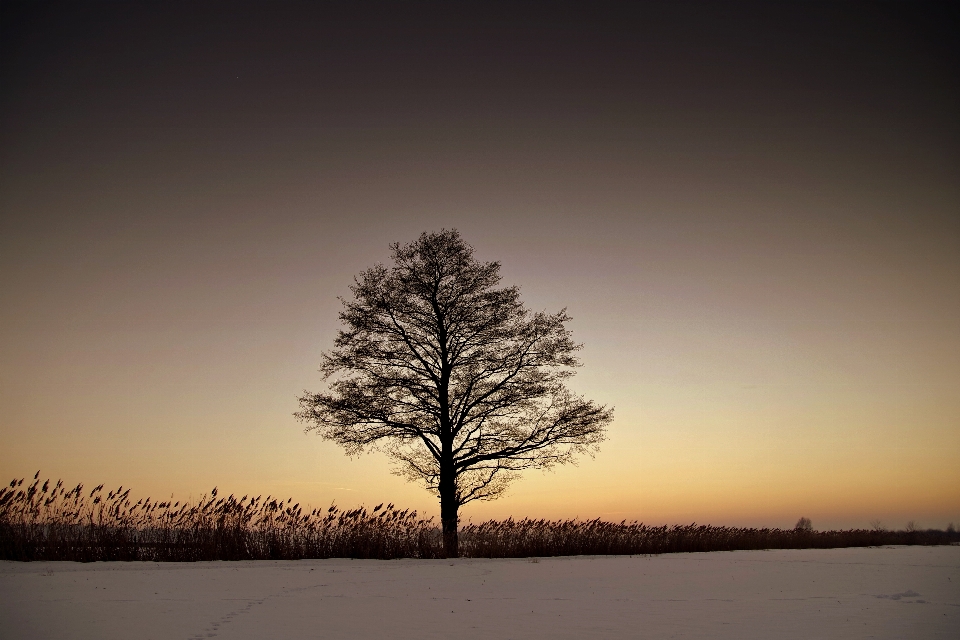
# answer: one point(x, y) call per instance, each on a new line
point(910, 593)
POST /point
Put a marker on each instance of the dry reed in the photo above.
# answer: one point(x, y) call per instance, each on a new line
point(51, 522)
point(44, 522)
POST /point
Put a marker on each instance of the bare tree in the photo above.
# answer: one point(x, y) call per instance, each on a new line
point(452, 377)
point(804, 524)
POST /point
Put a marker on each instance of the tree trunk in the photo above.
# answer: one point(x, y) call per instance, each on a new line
point(449, 502)
point(448, 515)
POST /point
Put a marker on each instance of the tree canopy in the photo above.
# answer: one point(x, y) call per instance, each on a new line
point(452, 376)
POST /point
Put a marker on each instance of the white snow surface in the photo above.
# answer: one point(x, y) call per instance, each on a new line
point(889, 592)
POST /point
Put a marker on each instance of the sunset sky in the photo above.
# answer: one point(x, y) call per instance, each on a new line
point(751, 213)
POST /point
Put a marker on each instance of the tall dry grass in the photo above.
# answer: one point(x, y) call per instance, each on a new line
point(51, 522)
point(526, 538)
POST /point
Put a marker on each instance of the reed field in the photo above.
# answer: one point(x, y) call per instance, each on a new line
point(44, 521)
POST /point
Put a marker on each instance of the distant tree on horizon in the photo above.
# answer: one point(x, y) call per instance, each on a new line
point(452, 377)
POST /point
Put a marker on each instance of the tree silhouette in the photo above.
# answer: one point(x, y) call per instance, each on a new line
point(452, 377)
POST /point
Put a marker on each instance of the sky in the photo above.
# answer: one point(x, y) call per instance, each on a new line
point(751, 212)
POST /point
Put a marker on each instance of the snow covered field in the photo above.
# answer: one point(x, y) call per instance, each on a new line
point(899, 592)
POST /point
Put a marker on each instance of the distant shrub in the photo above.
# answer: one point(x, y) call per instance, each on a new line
point(51, 522)
point(803, 524)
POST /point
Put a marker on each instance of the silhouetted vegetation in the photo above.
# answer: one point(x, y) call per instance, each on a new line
point(526, 538)
point(51, 522)
point(453, 377)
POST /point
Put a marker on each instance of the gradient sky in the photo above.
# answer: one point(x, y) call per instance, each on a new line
point(751, 213)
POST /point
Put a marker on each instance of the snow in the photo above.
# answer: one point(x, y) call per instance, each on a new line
point(890, 592)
